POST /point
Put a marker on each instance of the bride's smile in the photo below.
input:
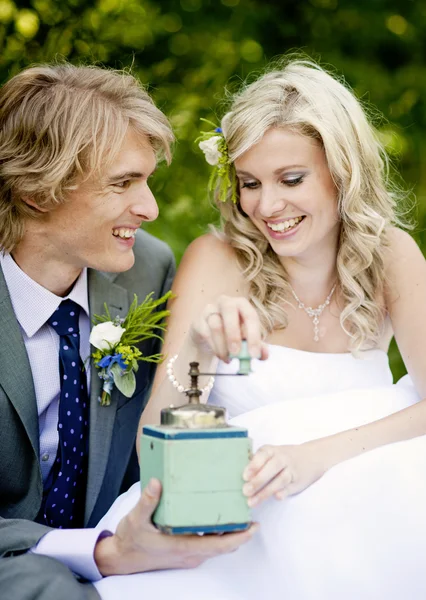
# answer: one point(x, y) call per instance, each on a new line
point(286, 226)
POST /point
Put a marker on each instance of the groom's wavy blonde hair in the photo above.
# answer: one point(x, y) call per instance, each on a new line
point(59, 123)
point(303, 97)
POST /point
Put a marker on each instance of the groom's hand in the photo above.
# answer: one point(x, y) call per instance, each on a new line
point(137, 546)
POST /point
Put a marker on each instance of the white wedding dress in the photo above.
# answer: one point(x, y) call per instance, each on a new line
point(358, 533)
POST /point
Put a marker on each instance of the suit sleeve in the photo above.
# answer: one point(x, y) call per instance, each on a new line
point(30, 576)
point(19, 535)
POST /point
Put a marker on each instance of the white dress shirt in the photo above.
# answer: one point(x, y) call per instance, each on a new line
point(33, 305)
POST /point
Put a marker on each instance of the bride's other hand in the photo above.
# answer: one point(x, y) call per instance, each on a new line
point(282, 471)
point(138, 546)
point(224, 324)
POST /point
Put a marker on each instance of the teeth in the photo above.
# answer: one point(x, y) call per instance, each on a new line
point(124, 233)
point(284, 224)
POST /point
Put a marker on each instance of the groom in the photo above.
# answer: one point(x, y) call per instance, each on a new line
point(77, 147)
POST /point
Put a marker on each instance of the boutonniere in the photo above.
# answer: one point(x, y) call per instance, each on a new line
point(115, 339)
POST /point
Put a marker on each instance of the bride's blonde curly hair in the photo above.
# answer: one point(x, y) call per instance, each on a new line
point(303, 97)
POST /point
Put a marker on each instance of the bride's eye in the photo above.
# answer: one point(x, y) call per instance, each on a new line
point(250, 185)
point(293, 181)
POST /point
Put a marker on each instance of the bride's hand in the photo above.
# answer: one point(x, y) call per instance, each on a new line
point(222, 325)
point(282, 471)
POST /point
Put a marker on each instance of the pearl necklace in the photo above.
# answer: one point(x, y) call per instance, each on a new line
point(314, 313)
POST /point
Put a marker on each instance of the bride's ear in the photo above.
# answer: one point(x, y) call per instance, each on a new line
point(30, 202)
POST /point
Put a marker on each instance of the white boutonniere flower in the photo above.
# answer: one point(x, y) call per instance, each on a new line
point(105, 335)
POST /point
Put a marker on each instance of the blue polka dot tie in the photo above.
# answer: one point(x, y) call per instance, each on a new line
point(65, 491)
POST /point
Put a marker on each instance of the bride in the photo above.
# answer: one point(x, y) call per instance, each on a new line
point(313, 269)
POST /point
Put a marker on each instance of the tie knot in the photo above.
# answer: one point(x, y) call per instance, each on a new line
point(65, 318)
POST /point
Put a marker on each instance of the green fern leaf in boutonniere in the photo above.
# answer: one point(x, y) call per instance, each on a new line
point(116, 339)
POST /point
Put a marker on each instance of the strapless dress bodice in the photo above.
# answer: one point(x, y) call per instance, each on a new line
point(289, 374)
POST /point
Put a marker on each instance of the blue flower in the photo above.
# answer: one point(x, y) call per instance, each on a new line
point(218, 130)
point(108, 360)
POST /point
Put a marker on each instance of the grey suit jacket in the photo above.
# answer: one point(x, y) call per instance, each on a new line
point(112, 456)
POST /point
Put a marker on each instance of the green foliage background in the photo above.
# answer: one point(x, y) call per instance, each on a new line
point(187, 51)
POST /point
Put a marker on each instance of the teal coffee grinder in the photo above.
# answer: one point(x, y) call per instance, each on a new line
point(199, 460)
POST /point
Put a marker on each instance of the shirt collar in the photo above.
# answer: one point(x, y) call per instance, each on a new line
point(33, 304)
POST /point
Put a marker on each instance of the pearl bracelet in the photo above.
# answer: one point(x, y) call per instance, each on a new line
point(175, 383)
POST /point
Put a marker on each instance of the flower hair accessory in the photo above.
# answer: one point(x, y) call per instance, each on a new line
point(215, 149)
point(116, 355)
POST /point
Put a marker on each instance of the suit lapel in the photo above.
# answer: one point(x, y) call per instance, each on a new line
point(101, 290)
point(15, 371)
